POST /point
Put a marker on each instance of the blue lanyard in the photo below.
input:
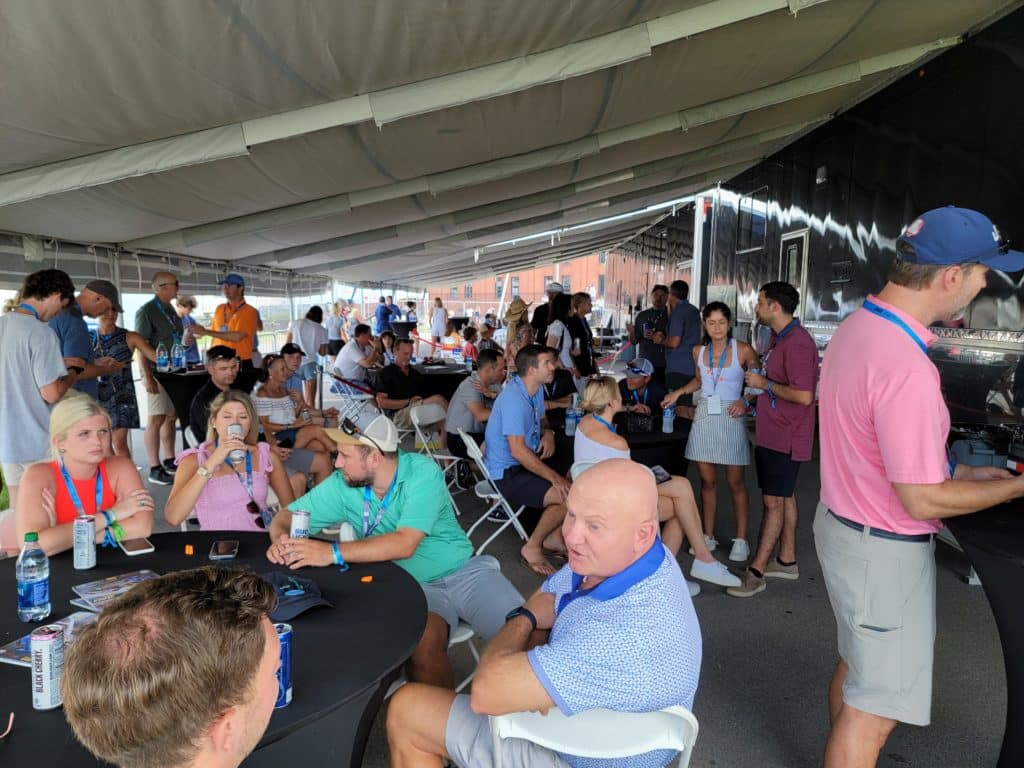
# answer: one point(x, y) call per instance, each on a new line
point(721, 366)
point(247, 483)
point(367, 528)
point(73, 492)
point(30, 308)
point(636, 397)
point(167, 317)
point(611, 427)
point(896, 320)
point(535, 428)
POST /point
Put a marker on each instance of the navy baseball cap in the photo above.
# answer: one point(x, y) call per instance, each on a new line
point(295, 595)
point(640, 367)
point(232, 278)
point(950, 235)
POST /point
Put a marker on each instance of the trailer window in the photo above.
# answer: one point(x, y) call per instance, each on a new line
point(750, 230)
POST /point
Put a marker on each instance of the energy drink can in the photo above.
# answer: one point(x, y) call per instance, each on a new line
point(85, 542)
point(284, 672)
point(300, 524)
point(46, 647)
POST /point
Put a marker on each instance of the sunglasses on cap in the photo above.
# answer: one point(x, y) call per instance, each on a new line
point(351, 429)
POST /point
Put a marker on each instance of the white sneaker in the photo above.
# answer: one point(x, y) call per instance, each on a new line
point(694, 588)
point(711, 542)
point(740, 551)
point(715, 573)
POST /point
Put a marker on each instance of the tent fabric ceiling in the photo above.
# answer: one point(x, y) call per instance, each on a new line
point(195, 128)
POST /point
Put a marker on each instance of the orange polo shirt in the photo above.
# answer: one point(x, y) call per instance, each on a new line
point(241, 317)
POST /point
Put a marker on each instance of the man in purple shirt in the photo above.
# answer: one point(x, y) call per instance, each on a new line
point(785, 432)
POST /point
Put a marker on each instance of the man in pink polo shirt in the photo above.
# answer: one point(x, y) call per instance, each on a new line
point(785, 433)
point(886, 479)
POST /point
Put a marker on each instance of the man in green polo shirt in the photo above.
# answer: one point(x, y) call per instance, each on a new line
point(399, 507)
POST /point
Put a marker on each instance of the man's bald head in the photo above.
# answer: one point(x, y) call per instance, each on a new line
point(612, 519)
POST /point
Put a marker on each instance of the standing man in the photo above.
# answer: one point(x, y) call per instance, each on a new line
point(158, 323)
point(887, 481)
point(400, 509)
point(33, 373)
point(382, 316)
point(517, 440)
point(212, 716)
point(582, 338)
point(97, 298)
point(652, 320)
point(311, 337)
point(540, 314)
point(235, 323)
point(785, 433)
point(394, 311)
point(683, 334)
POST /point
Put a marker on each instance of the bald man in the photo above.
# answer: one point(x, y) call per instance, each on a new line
point(627, 638)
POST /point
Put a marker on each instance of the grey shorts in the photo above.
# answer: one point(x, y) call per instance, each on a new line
point(477, 593)
point(467, 739)
point(883, 596)
point(299, 460)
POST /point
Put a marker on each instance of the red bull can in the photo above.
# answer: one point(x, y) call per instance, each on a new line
point(284, 672)
point(85, 542)
point(300, 524)
point(46, 647)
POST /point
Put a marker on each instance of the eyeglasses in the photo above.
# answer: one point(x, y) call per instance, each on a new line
point(350, 428)
point(161, 285)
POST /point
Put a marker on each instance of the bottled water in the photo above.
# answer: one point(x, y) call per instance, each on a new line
point(33, 574)
point(177, 356)
point(163, 362)
point(668, 418)
point(572, 418)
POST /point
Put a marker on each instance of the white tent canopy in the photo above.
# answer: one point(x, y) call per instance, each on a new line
point(398, 141)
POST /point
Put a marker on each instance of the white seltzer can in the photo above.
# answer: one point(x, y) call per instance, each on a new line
point(300, 524)
point(85, 542)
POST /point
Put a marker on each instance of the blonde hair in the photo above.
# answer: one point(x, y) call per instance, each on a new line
point(72, 408)
point(233, 396)
point(599, 393)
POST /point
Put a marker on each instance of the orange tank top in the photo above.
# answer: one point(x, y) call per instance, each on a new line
point(86, 488)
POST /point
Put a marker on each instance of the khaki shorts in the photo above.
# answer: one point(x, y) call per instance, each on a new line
point(13, 470)
point(403, 417)
point(159, 404)
point(883, 597)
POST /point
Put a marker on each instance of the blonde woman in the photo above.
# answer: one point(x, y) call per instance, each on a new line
point(228, 492)
point(518, 332)
point(597, 439)
point(438, 321)
point(84, 478)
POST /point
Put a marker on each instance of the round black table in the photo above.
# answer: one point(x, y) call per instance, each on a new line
point(648, 448)
point(441, 379)
point(343, 658)
point(993, 540)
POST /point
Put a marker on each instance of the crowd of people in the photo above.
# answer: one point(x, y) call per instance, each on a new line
point(627, 633)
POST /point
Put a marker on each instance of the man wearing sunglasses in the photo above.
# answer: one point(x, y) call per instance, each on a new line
point(158, 323)
point(235, 323)
point(399, 506)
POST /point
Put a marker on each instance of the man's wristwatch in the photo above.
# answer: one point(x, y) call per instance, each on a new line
point(524, 612)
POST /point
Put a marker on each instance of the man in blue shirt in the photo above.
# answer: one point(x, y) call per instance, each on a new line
point(382, 316)
point(683, 334)
point(518, 441)
point(615, 628)
point(95, 299)
point(394, 311)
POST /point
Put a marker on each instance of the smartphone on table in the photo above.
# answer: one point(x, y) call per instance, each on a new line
point(132, 547)
point(224, 550)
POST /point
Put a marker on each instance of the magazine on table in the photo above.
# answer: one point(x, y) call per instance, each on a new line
point(17, 652)
point(97, 595)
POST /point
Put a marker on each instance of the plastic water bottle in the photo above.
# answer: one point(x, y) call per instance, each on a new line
point(457, 357)
point(33, 574)
point(177, 356)
point(163, 362)
point(469, 365)
point(572, 418)
point(668, 418)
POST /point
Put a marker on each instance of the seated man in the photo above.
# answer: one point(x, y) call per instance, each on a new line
point(640, 392)
point(487, 337)
point(292, 356)
point(214, 715)
point(470, 407)
point(627, 638)
point(222, 365)
point(398, 386)
point(517, 441)
point(400, 509)
point(358, 355)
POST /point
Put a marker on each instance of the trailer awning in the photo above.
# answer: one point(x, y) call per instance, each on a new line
point(399, 141)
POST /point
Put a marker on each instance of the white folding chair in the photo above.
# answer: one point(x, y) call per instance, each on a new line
point(487, 490)
point(579, 467)
point(193, 440)
point(600, 733)
point(423, 416)
point(463, 633)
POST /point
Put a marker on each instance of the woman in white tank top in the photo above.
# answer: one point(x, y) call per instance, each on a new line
point(719, 435)
point(438, 321)
point(597, 440)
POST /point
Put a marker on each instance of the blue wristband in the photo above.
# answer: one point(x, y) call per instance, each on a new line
point(338, 559)
point(952, 468)
point(107, 517)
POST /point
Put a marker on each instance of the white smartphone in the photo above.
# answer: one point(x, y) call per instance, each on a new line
point(132, 547)
point(224, 550)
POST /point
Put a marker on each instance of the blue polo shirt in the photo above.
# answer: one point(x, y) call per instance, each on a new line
point(685, 323)
point(514, 413)
point(630, 644)
point(76, 341)
point(382, 315)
